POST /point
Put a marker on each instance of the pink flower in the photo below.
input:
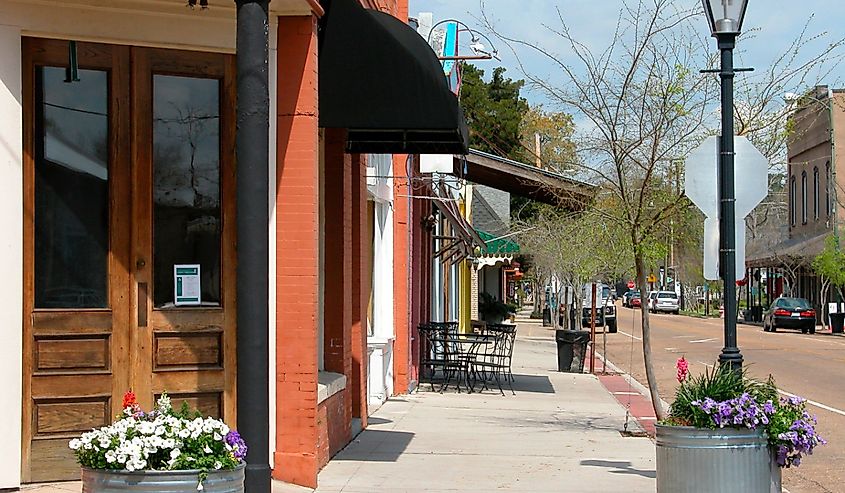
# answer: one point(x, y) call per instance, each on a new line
point(683, 369)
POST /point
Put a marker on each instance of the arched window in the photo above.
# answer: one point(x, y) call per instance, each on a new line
point(792, 200)
point(827, 185)
point(803, 197)
point(816, 193)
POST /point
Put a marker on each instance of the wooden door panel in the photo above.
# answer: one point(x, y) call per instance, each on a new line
point(188, 352)
point(74, 362)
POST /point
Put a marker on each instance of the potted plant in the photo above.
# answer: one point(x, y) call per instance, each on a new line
point(730, 433)
point(492, 310)
point(163, 450)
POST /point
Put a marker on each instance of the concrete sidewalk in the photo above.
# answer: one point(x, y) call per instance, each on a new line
point(560, 433)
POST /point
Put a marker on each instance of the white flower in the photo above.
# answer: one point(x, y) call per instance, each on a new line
point(163, 403)
point(218, 465)
point(200, 487)
point(207, 449)
point(175, 453)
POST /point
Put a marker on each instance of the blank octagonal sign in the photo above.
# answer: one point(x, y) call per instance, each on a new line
point(750, 176)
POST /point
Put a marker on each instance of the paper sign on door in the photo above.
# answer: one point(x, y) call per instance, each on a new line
point(186, 284)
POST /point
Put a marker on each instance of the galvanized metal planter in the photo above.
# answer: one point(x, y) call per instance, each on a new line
point(103, 481)
point(727, 460)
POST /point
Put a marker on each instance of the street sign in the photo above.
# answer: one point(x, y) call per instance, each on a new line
point(701, 184)
point(651, 279)
point(631, 284)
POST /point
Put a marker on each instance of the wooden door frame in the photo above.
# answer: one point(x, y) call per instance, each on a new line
point(130, 140)
point(115, 60)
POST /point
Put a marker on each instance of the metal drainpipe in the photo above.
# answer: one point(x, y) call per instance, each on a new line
point(253, 156)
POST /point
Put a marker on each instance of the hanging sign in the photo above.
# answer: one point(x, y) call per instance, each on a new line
point(186, 284)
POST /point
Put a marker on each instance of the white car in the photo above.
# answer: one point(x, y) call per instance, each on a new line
point(664, 301)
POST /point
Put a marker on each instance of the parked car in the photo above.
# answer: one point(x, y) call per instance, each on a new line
point(605, 307)
point(790, 313)
point(636, 300)
point(649, 300)
point(665, 301)
point(628, 296)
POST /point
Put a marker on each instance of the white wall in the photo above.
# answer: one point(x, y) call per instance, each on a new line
point(380, 190)
point(11, 253)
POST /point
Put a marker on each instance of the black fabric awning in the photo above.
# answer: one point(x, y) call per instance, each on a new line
point(381, 81)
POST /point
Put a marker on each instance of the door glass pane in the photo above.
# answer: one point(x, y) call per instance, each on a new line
point(71, 189)
point(186, 183)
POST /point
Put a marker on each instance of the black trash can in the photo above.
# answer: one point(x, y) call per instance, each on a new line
point(547, 317)
point(571, 350)
point(837, 321)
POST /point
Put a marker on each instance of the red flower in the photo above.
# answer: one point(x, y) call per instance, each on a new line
point(129, 400)
point(683, 369)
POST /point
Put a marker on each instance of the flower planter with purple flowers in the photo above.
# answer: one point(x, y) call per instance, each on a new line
point(163, 450)
point(729, 433)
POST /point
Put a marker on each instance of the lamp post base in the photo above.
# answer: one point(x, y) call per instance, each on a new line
point(731, 357)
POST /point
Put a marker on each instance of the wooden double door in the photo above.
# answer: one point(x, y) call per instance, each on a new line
point(128, 184)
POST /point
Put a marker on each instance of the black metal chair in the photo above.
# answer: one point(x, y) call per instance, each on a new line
point(493, 361)
point(439, 353)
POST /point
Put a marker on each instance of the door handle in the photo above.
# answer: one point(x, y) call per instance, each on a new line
point(142, 304)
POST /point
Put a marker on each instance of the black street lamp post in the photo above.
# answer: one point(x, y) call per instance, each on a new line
point(726, 18)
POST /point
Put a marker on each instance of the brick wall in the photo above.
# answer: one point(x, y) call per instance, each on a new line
point(334, 427)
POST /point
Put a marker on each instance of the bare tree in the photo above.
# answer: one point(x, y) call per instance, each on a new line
point(646, 108)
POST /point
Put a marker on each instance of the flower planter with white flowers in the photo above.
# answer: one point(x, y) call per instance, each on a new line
point(729, 433)
point(163, 450)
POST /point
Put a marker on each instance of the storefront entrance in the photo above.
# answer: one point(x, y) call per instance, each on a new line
point(129, 238)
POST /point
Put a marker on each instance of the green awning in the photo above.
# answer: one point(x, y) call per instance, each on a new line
point(497, 246)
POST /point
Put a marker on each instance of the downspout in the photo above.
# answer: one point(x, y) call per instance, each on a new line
point(253, 314)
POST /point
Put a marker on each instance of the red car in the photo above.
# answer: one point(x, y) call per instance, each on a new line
point(636, 301)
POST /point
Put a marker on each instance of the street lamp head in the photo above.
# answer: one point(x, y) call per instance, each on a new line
point(725, 16)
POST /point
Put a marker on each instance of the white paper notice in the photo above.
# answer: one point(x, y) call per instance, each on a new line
point(186, 284)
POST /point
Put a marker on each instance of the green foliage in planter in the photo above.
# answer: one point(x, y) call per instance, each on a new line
point(491, 308)
point(719, 384)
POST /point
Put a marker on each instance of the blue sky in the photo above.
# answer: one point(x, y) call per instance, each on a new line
point(592, 22)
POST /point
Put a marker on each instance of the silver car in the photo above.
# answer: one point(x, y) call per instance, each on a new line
point(665, 301)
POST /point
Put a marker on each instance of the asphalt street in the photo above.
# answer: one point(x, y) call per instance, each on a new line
point(812, 366)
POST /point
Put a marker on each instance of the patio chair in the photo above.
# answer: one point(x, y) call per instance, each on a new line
point(493, 362)
point(439, 353)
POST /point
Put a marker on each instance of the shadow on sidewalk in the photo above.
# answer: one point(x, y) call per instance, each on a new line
point(376, 446)
point(620, 467)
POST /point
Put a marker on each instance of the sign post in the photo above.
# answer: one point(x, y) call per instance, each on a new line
point(726, 178)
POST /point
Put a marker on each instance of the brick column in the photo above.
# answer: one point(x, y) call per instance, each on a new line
point(337, 302)
point(297, 241)
point(401, 278)
point(360, 288)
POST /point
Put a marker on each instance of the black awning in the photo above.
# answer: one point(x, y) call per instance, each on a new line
point(382, 82)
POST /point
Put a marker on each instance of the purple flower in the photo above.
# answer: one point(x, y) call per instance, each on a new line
point(234, 440)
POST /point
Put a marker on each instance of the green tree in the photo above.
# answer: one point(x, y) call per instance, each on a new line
point(494, 111)
point(830, 266)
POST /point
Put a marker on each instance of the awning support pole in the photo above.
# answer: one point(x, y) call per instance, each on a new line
point(253, 161)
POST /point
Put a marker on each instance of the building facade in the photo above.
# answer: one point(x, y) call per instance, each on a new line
point(119, 257)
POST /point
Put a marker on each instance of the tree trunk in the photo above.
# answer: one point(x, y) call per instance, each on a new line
point(824, 290)
point(639, 263)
